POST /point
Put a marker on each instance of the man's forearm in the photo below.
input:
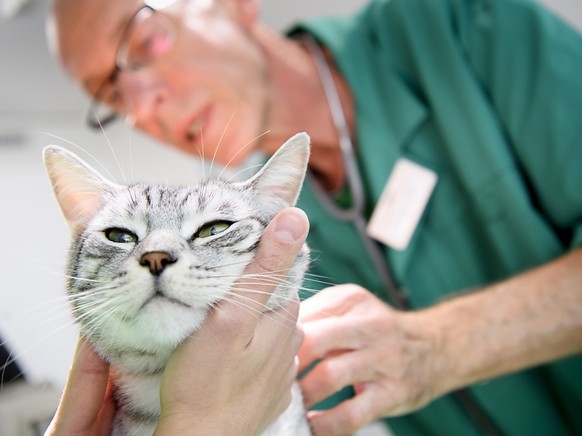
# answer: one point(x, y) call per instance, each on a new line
point(532, 318)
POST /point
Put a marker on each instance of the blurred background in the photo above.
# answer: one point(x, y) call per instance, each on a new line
point(39, 106)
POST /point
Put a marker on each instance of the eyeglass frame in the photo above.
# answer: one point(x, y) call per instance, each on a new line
point(91, 118)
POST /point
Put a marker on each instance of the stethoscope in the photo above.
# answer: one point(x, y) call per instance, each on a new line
point(355, 214)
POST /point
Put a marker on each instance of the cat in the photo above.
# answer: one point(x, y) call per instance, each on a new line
point(147, 263)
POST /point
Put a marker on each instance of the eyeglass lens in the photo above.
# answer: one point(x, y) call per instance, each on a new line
point(148, 37)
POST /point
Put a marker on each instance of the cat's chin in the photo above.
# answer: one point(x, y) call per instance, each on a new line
point(151, 334)
point(165, 323)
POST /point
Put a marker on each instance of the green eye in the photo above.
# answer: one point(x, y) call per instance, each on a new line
point(213, 229)
point(120, 236)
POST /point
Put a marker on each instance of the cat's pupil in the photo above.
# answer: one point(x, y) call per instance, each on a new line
point(120, 236)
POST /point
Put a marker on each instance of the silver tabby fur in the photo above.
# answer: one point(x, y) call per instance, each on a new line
point(134, 318)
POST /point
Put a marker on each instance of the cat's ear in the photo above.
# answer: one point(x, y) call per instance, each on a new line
point(79, 189)
point(281, 178)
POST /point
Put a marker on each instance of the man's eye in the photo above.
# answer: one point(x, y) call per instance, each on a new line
point(213, 229)
point(120, 236)
point(112, 97)
point(145, 47)
point(156, 44)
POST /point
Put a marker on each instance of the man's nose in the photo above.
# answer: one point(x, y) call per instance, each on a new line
point(143, 93)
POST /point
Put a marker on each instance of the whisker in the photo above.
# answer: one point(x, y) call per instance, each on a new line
point(83, 279)
point(57, 309)
point(84, 151)
point(89, 308)
point(130, 150)
point(275, 277)
point(267, 313)
point(239, 293)
point(201, 155)
point(224, 265)
point(94, 323)
point(238, 173)
point(61, 300)
point(62, 313)
point(4, 368)
point(240, 150)
point(16, 357)
point(300, 289)
point(110, 145)
point(221, 138)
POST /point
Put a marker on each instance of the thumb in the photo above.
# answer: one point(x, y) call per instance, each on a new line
point(278, 249)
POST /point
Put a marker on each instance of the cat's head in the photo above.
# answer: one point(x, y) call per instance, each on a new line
point(148, 262)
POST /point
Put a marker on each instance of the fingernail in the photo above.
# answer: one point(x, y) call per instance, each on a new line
point(290, 226)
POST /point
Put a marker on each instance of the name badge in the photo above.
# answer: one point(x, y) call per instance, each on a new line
point(402, 204)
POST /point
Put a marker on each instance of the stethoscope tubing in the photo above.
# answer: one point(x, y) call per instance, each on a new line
point(355, 213)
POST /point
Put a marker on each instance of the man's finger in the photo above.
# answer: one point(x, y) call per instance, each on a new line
point(334, 301)
point(335, 373)
point(346, 418)
point(325, 336)
point(85, 392)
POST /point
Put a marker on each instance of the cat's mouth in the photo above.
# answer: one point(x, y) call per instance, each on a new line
point(192, 129)
point(161, 296)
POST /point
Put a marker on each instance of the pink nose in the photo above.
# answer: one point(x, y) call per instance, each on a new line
point(156, 261)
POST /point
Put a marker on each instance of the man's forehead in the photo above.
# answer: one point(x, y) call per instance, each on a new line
point(88, 33)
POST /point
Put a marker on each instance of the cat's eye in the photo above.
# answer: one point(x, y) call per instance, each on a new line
point(120, 236)
point(213, 229)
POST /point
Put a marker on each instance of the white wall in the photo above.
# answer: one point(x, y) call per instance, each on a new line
point(281, 14)
point(36, 98)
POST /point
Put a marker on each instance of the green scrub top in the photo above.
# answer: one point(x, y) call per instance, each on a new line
point(487, 94)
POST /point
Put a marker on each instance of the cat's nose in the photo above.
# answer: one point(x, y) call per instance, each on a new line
point(156, 261)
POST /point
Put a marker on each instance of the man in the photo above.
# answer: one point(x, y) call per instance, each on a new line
point(464, 113)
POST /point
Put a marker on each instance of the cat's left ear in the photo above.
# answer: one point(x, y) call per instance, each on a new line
point(279, 182)
point(79, 189)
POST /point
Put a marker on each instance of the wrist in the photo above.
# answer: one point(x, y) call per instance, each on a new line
point(426, 340)
point(456, 358)
point(189, 425)
point(476, 337)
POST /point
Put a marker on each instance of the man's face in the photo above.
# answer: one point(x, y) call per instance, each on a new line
point(206, 94)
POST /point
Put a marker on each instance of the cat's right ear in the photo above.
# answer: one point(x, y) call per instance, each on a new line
point(79, 189)
point(280, 180)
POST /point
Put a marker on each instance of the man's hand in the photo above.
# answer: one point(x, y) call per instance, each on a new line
point(87, 406)
point(399, 361)
point(365, 343)
point(234, 376)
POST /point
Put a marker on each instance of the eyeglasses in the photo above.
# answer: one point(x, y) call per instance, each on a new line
point(148, 36)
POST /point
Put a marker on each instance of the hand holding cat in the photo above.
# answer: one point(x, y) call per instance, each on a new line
point(248, 377)
point(365, 343)
point(87, 406)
